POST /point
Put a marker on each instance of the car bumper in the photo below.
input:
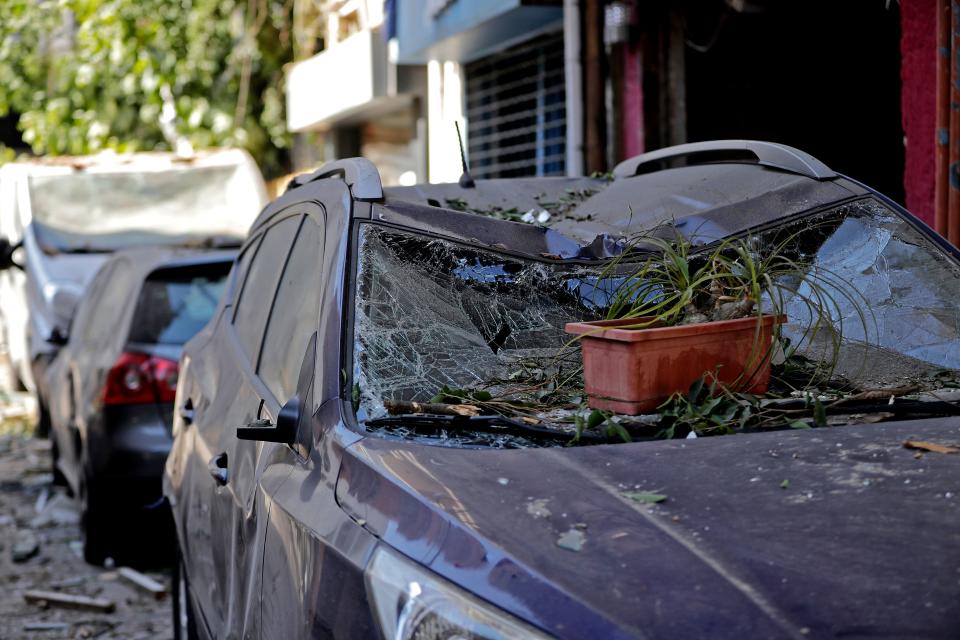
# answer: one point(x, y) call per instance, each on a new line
point(128, 453)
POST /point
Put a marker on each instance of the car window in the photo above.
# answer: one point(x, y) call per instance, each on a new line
point(98, 323)
point(83, 326)
point(253, 307)
point(110, 306)
point(240, 269)
point(175, 304)
point(295, 313)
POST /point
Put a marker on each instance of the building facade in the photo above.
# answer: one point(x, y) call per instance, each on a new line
point(554, 87)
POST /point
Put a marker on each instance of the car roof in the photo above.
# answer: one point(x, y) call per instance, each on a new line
point(146, 260)
point(705, 190)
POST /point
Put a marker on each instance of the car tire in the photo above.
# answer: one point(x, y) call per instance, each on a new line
point(184, 624)
point(93, 522)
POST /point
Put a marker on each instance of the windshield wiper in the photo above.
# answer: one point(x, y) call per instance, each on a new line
point(486, 424)
point(901, 407)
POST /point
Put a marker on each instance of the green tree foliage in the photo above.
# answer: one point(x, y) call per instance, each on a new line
point(87, 75)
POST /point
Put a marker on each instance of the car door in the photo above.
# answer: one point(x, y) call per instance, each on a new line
point(235, 496)
point(64, 380)
point(286, 367)
point(208, 377)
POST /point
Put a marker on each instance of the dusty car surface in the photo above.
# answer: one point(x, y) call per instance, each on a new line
point(112, 388)
point(67, 215)
point(312, 498)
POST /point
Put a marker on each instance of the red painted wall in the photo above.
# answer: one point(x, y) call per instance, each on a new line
point(918, 48)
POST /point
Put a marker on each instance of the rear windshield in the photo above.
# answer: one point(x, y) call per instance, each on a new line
point(85, 211)
point(175, 305)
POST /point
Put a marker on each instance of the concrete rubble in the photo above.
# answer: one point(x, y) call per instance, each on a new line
point(49, 591)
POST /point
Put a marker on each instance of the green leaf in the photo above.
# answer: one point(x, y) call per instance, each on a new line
point(798, 424)
point(646, 498)
point(785, 484)
point(819, 413)
point(481, 396)
point(614, 428)
point(695, 390)
point(595, 419)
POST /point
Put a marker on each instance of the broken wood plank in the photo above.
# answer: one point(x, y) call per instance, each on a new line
point(399, 407)
point(146, 583)
point(67, 601)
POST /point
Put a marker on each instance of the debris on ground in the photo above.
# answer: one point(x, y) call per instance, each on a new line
point(60, 510)
point(25, 546)
point(930, 446)
point(46, 626)
point(52, 567)
point(57, 599)
point(142, 581)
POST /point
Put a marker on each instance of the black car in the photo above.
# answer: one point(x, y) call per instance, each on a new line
point(327, 480)
point(113, 384)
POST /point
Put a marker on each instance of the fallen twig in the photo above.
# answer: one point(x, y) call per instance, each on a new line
point(399, 407)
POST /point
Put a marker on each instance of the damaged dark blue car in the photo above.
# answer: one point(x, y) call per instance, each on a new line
point(319, 492)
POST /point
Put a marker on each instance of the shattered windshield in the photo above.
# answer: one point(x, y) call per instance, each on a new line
point(431, 313)
point(433, 316)
point(90, 211)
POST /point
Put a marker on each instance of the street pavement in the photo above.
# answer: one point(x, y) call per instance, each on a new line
point(40, 550)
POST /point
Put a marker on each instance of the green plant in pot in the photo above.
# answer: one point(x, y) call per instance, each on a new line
point(681, 314)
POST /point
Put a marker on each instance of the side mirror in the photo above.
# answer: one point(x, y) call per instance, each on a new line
point(291, 414)
point(284, 432)
point(57, 337)
point(6, 254)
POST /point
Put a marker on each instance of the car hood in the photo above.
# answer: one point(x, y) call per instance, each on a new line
point(837, 531)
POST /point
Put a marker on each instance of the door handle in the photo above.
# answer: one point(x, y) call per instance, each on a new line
point(186, 412)
point(218, 469)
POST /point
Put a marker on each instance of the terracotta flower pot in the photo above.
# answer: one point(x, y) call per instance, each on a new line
point(633, 371)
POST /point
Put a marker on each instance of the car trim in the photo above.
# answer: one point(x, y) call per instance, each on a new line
point(768, 154)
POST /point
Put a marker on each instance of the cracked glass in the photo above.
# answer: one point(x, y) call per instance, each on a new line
point(432, 313)
point(899, 311)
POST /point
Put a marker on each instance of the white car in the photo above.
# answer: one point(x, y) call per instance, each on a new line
point(67, 214)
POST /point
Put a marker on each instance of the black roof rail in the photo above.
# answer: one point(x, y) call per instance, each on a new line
point(768, 154)
point(359, 173)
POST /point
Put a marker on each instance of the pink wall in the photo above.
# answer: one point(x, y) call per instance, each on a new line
point(918, 48)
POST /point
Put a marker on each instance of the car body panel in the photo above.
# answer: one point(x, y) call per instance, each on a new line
point(790, 531)
point(54, 281)
point(123, 441)
point(230, 573)
point(733, 552)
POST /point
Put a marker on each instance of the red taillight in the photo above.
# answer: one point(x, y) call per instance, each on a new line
point(137, 378)
point(165, 378)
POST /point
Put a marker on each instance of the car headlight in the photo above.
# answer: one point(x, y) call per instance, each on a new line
point(413, 604)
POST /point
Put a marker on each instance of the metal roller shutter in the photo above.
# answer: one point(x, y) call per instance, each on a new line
point(516, 109)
